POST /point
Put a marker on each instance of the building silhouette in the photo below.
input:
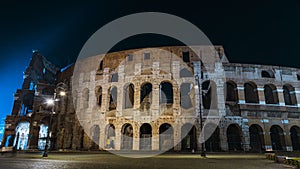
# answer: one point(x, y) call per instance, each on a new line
point(150, 99)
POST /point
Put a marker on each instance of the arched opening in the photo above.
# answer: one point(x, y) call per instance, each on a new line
point(101, 65)
point(115, 77)
point(22, 133)
point(271, 96)
point(251, 95)
point(9, 141)
point(185, 73)
point(113, 99)
point(95, 137)
point(277, 138)
point(231, 91)
point(43, 137)
point(267, 74)
point(110, 136)
point(85, 98)
point(289, 95)
point(166, 93)
point(185, 95)
point(234, 137)
point(127, 137)
point(188, 137)
point(27, 103)
point(146, 96)
point(209, 95)
point(146, 137)
point(257, 142)
point(212, 137)
point(295, 137)
point(166, 141)
point(99, 95)
point(128, 96)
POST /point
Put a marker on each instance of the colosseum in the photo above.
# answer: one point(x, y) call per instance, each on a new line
point(167, 98)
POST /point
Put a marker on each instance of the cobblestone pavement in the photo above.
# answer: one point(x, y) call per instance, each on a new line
point(109, 161)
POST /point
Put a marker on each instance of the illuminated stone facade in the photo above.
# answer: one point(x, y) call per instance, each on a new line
point(146, 99)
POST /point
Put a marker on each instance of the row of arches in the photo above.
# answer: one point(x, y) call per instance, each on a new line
point(166, 95)
point(187, 94)
point(22, 134)
point(189, 137)
point(270, 93)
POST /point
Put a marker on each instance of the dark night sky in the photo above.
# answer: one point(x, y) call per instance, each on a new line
point(252, 32)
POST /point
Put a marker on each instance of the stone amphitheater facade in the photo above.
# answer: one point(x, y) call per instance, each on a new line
point(151, 99)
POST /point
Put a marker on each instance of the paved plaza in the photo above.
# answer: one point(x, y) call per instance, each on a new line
point(110, 161)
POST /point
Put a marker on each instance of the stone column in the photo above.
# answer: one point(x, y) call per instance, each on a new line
point(136, 138)
point(241, 94)
point(261, 94)
point(155, 137)
point(177, 137)
point(280, 97)
point(287, 138)
point(246, 137)
point(297, 92)
point(268, 142)
point(118, 137)
point(223, 137)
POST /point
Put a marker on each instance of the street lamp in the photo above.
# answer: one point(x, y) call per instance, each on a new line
point(197, 78)
point(51, 102)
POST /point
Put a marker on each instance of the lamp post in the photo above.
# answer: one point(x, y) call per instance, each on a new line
point(51, 102)
point(197, 78)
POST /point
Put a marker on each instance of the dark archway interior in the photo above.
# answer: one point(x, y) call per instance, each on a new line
point(257, 142)
point(277, 138)
point(146, 137)
point(295, 137)
point(234, 138)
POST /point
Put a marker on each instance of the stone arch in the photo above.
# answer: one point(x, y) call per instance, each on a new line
point(145, 137)
point(257, 142)
point(289, 95)
point(270, 92)
point(22, 135)
point(9, 141)
point(251, 94)
point(95, 133)
point(212, 137)
point(166, 93)
point(185, 95)
point(43, 133)
point(127, 137)
point(295, 137)
point(110, 136)
point(231, 91)
point(98, 93)
point(267, 74)
point(146, 96)
point(85, 98)
point(27, 104)
point(209, 95)
point(128, 96)
point(185, 73)
point(277, 138)
point(234, 137)
point(188, 137)
point(112, 98)
point(166, 137)
point(114, 77)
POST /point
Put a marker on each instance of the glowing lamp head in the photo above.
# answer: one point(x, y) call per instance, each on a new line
point(62, 93)
point(50, 101)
